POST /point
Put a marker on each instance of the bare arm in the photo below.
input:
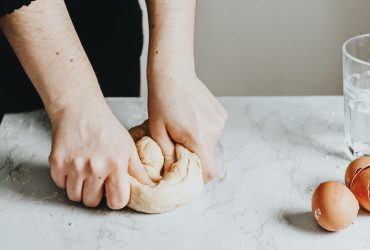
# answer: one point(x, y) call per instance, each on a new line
point(181, 108)
point(171, 47)
point(44, 39)
point(90, 147)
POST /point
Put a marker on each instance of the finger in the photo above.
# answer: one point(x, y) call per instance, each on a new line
point(74, 187)
point(167, 146)
point(117, 188)
point(136, 169)
point(58, 178)
point(208, 161)
point(93, 191)
point(57, 173)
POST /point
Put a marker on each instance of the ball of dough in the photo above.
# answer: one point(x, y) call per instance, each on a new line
point(151, 156)
point(182, 183)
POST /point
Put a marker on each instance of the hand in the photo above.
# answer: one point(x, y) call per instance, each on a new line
point(182, 110)
point(91, 149)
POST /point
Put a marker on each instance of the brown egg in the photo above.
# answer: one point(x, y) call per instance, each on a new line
point(360, 188)
point(355, 167)
point(334, 206)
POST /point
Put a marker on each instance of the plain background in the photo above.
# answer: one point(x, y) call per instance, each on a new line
point(271, 47)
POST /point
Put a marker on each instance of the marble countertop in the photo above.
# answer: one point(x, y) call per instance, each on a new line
point(274, 151)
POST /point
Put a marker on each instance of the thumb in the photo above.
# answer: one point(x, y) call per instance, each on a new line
point(136, 169)
point(167, 146)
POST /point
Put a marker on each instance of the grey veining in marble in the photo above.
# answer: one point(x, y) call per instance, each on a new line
point(273, 153)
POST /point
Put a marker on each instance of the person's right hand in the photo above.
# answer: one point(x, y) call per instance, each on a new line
point(91, 149)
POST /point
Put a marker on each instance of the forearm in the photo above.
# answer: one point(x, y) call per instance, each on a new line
point(45, 41)
point(171, 44)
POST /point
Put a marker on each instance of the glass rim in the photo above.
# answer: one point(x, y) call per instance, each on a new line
point(347, 54)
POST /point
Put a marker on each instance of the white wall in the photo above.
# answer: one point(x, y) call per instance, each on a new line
point(272, 47)
point(144, 54)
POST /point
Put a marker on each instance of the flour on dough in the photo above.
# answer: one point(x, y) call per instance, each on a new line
point(182, 183)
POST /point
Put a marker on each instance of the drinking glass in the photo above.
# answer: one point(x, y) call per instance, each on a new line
point(356, 88)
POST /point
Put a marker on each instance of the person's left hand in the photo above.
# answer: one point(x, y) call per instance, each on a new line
point(182, 110)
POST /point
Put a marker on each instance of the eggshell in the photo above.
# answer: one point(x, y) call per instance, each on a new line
point(334, 207)
point(355, 167)
point(360, 188)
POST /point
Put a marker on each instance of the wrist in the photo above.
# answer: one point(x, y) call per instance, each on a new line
point(170, 62)
point(168, 72)
point(78, 102)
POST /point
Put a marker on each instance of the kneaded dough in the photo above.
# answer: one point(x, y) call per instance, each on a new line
point(182, 183)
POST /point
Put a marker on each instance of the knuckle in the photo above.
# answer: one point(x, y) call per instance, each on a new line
point(76, 170)
point(76, 166)
point(95, 166)
point(114, 162)
point(77, 162)
point(55, 161)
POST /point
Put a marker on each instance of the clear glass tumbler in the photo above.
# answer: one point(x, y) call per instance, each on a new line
point(356, 87)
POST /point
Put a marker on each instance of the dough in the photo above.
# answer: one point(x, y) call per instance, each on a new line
point(182, 183)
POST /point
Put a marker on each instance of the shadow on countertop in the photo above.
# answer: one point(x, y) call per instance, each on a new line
point(32, 183)
point(25, 174)
point(302, 221)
